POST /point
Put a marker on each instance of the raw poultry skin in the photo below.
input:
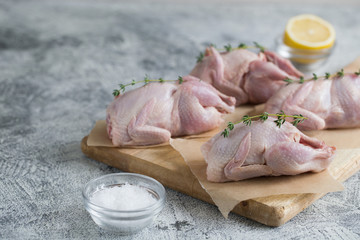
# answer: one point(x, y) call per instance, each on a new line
point(249, 77)
point(155, 112)
point(263, 149)
point(326, 103)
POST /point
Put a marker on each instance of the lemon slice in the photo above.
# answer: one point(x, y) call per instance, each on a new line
point(308, 31)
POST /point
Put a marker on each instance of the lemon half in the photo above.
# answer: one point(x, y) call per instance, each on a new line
point(308, 31)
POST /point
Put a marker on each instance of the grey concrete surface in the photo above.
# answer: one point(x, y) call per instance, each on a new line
point(60, 60)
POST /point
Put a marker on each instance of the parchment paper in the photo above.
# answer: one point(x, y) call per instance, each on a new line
point(227, 195)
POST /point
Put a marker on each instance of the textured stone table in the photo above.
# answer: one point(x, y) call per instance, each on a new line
point(60, 60)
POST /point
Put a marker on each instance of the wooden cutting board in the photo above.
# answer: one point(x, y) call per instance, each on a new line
point(168, 167)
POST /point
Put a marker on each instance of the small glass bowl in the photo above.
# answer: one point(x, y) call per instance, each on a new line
point(304, 60)
point(129, 221)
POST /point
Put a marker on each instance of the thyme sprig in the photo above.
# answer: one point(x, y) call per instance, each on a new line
point(200, 57)
point(229, 48)
point(327, 75)
point(146, 80)
point(281, 116)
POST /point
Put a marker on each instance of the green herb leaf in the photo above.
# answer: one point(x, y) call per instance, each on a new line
point(262, 49)
point(246, 120)
point(116, 92)
point(122, 87)
point(146, 79)
point(288, 80)
point(327, 75)
point(225, 133)
point(230, 126)
point(340, 73)
point(297, 119)
point(264, 116)
point(278, 122)
point(200, 57)
point(301, 80)
point(242, 45)
point(315, 76)
point(180, 79)
point(228, 47)
point(281, 113)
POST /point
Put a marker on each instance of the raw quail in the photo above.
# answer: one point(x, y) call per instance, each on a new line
point(249, 77)
point(263, 149)
point(326, 103)
point(153, 113)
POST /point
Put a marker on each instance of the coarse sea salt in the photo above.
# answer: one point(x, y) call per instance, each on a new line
point(124, 197)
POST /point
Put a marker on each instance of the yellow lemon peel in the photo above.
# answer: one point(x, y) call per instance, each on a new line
point(310, 32)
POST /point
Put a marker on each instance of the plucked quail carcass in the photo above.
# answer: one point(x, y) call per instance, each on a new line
point(153, 113)
point(326, 103)
point(249, 77)
point(263, 149)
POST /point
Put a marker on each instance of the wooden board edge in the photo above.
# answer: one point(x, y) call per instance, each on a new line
point(275, 217)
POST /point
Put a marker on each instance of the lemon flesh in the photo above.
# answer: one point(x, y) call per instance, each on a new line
point(309, 32)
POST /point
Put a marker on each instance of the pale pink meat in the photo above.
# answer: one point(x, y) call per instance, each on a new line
point(326, 103)
point(263, 149)
point(249, 77)
point(153, 113)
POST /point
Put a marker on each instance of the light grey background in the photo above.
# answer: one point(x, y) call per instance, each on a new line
point(60, 61)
